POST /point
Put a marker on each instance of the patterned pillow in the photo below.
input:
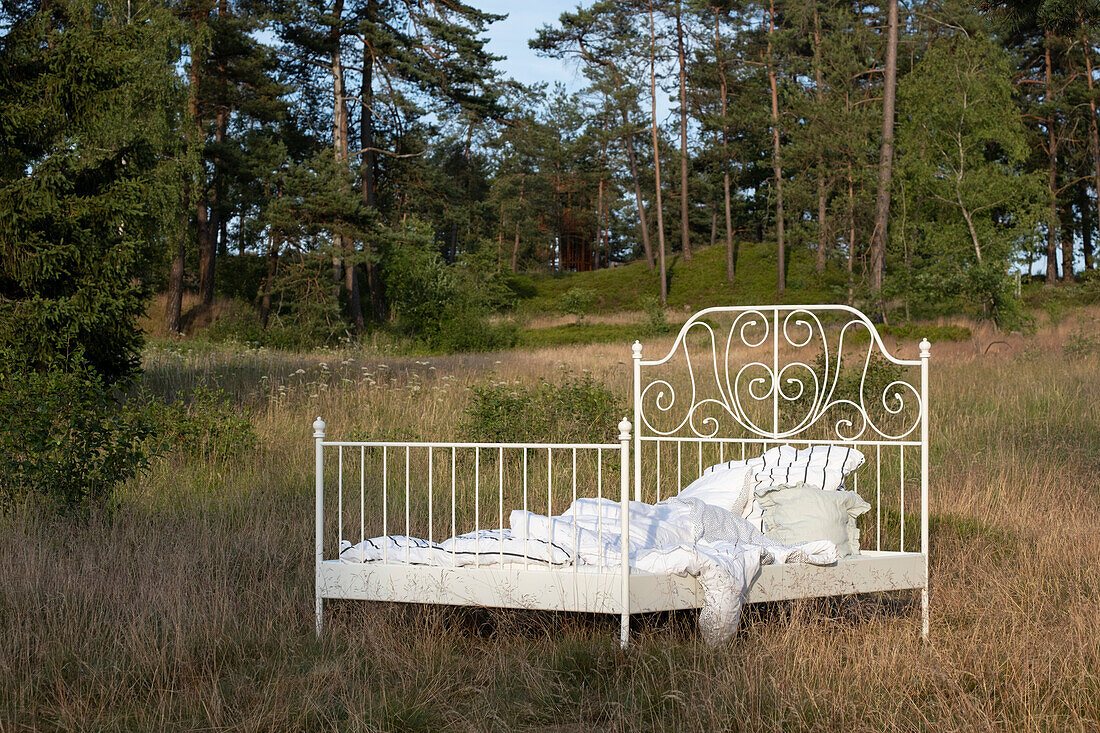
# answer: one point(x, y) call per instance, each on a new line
point(726, 485)
point(823, 466)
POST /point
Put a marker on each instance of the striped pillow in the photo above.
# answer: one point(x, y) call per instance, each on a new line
point(821, 466)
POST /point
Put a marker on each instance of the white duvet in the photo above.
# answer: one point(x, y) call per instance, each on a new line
point(678, 535)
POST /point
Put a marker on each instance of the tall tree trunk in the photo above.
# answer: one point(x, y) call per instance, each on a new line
point(269, 281)
point(599, 222)
point(1084, 205)
point(174, 305)
point(202, 223)
point(731, 260)
point(515, 246)
point(1052, 174)
point(886, 153)
point(643, 220)
point(822, 188)
point(1067, 243)
point(342, 244)
point(339, 129)
point(369, 163)
point(657, 155)
point(685, 222)
point(208, 245)
point(777, 165)
point(1094, 140)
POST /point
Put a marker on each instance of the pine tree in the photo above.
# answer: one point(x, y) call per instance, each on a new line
point(90, 172)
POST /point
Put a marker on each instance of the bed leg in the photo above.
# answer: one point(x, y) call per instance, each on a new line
point(624, 632)
point(924, 612)
point(320, 605)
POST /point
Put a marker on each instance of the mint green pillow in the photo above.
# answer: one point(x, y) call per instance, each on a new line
point(800, 513)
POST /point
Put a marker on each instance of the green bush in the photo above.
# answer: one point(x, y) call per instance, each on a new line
point(445, 306)
point(578, 410)
point(578, 333)
point(66, 442)
point(457, 334)
point(1080, 344)
point(577, 301)
point(297, 330)
point(935, 334)
point(208, 426)
point(656, 322)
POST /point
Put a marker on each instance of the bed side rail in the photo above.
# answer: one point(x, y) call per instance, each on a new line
point(436, 490)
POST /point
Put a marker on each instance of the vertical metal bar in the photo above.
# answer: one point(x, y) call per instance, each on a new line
point(700, 459)
point(319, 517)
point(775, 373)
point(571, 505)
point(340, 499)
point(453, 532)
point(477, 506)
point(549, 505)
point(500, 501)
point(430, 502)
point(901, 500)
point(362, 491)
point(657, 445)
point(679, 466)
point(878, 497)
point(526, 523)
point(407, 532)
point(385, 506)
point(636, 351)
point(925, 355)
point(624, 503)
point(599, 507)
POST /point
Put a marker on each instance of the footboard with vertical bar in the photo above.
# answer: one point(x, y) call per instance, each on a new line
point(481, 483)
point(742, 386)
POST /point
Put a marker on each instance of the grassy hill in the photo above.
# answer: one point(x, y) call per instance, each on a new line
point(696, 284)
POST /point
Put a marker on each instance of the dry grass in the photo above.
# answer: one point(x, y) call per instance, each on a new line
point(191, 607)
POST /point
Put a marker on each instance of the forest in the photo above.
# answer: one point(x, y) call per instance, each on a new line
point(221, 219)
point(348, 167)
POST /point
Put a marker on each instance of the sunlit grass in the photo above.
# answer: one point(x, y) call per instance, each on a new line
point(191, 607)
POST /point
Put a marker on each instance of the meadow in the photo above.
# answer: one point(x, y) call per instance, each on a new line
point(190, 606)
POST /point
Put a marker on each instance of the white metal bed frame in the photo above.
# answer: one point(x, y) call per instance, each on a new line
point(536, 584)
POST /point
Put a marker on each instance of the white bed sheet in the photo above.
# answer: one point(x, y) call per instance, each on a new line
point(676, 536)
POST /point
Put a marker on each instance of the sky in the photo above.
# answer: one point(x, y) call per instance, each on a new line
point(509, 38)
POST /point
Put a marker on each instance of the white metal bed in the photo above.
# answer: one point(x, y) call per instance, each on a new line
point(748, 378)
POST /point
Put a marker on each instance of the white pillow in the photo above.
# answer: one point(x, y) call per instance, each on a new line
point(725, 485)
point(822, 466)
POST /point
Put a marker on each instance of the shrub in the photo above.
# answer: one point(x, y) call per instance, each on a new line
point(935, 334)
point(577, 301)
point(445, 306)
point(298, 329)
point(66, 442)
point(208, 426)
point(1080, 344)
point(656, 322)
point(578, 410)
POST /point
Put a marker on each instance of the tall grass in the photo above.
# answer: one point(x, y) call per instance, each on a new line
point(191, 606)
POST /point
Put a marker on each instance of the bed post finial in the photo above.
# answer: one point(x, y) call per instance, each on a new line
point(624, 429)
point(925, 348)
point(318, 428)
point(637, 349)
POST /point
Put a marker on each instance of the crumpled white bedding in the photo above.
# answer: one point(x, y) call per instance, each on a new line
point(681, 536)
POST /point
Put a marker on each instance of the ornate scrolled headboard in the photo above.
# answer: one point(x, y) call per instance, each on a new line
point(760, 375)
